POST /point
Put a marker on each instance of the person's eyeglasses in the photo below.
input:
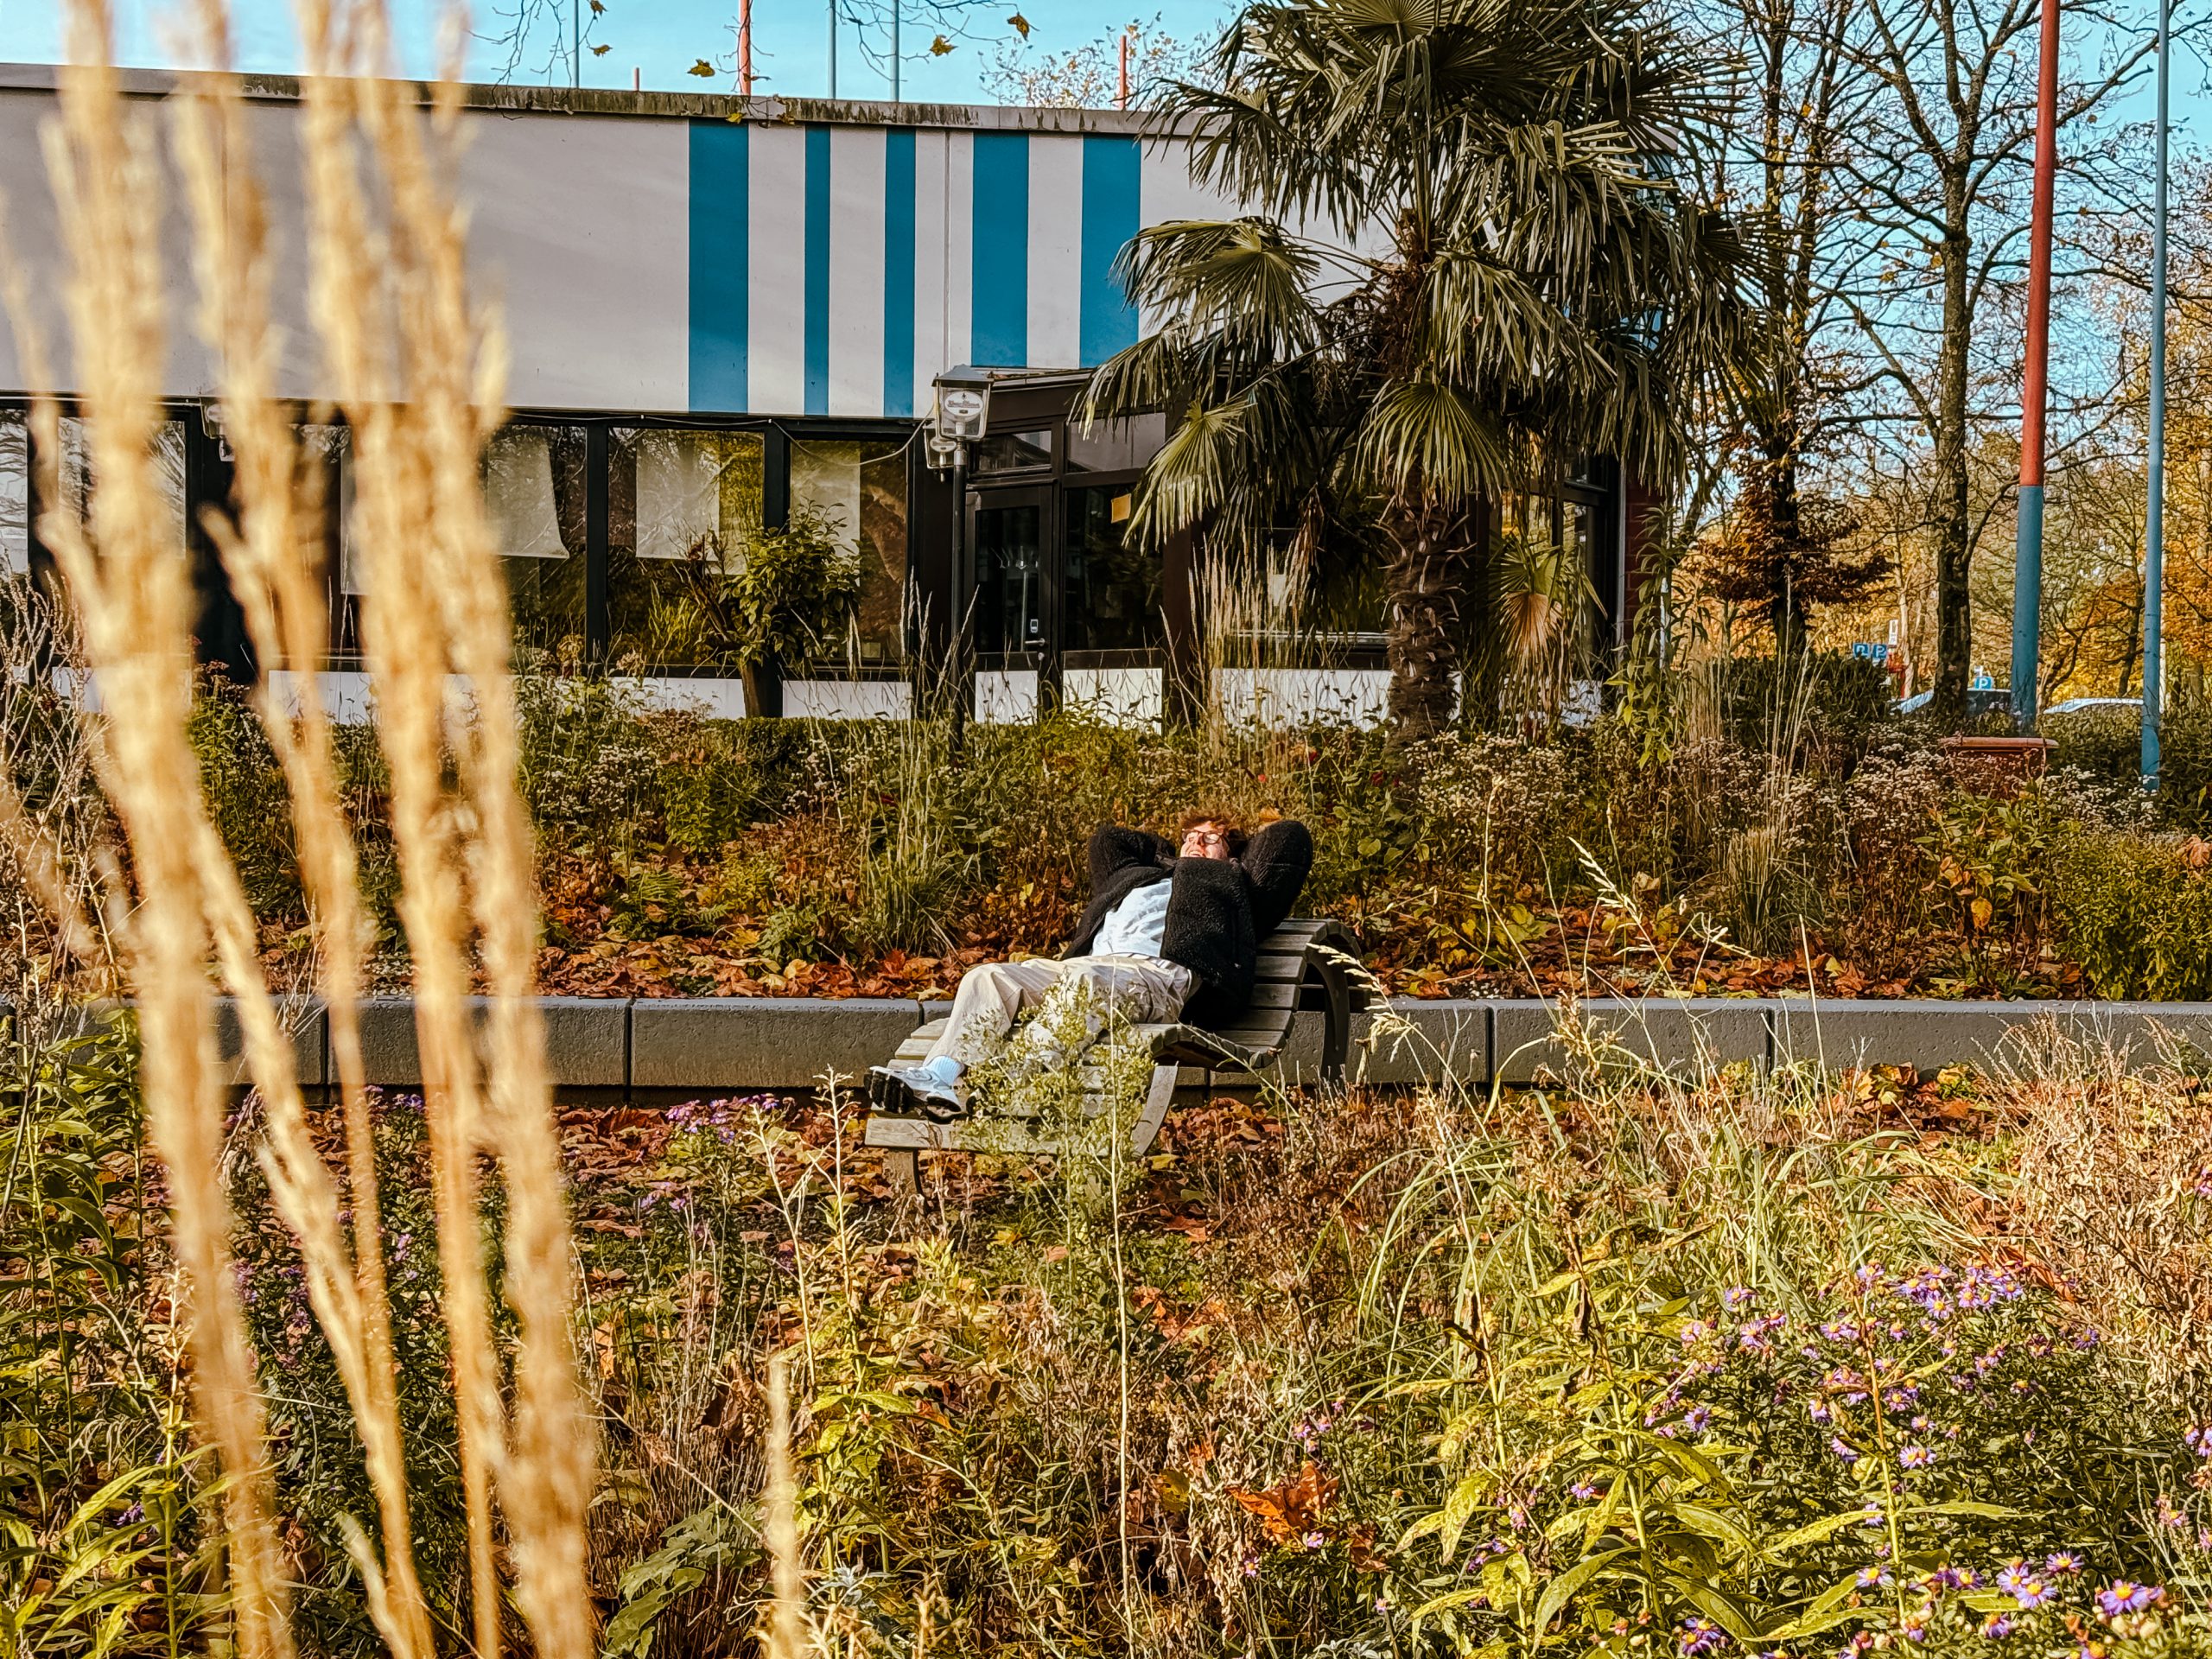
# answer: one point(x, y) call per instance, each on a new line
point(1208, 837)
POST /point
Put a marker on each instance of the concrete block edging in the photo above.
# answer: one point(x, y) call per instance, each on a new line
point(731, 1044)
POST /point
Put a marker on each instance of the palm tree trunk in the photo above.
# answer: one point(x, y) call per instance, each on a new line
point(1427, 582)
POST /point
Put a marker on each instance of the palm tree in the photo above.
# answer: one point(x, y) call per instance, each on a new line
point(1467, 259)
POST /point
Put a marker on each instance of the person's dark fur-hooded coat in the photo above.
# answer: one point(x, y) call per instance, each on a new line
point(1218, 912)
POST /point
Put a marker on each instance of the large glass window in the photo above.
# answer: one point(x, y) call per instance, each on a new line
point(1015, 452)
point(1114, 446)
point(76, 474)
point(534, 493)
point(682, 506)
point(860, 490)
point(14, 495)
point(1112, 597)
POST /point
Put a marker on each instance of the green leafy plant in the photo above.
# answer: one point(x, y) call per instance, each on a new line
point(2136, 913)
point(792, 596)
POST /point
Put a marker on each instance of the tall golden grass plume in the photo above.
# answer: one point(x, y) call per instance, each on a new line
point(395, 313)
point(418, 378)
point(270, 550)
point(134, 598)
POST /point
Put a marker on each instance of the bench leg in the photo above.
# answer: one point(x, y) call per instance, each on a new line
point(1336, 1034)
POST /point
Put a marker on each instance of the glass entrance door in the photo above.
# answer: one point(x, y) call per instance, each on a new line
point(1064, 609)
point(1013, 597)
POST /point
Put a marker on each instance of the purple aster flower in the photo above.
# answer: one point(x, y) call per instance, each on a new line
point(1699, 1636)
point(1736, 1296)
point(2025, 1585)
point(1872, 1578)
point(1697, 1419)
point(2124, 1596)
point(1999, 1626)
point(2199, 1440)
point(1915, 1457)
point(1582, 1489)
point(1843, 1448)
point(1313, 1541)
point(1695, 1332)
point(2065, 1561)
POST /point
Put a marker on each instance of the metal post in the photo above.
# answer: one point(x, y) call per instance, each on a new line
point(894, 50)
point(744, 48)
point(2027, 574)
point(2154, 516)
point(576, 43)
point(833, 48)
point(963, 599)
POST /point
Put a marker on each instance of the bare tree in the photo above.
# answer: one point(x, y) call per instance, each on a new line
point(1784, 543)
point(1941, 170)
point(1089, 77)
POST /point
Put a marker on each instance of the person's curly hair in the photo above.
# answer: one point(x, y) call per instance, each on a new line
point(1231, 826)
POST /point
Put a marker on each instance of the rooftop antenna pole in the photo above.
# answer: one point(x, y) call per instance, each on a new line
point(895, 8)
point(744, 48)
point(576, 43)
point(833, 48)
point(2027, 571)
point(2154, 517)
point(1122, 95)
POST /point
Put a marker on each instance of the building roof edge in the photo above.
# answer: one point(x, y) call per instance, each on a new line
point(680, 105)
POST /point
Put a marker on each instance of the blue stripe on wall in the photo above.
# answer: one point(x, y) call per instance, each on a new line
point(899, 271)
point(999, 286)
point(722, 210)
point(1110, 219)
point(818, 271)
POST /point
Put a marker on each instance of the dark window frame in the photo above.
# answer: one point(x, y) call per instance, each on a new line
point(598, 426)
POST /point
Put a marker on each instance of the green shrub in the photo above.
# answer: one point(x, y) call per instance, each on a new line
point(2136, 913)
point(252, 810)
point(1847, 698)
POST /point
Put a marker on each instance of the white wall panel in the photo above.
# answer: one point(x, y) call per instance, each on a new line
point(582, 227)
point(777, 289)
point(1055, 252)
point(856, 180)
point(957, 259)
point(34, 239)
point(932, 151)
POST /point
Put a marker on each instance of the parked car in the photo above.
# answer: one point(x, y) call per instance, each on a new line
point(1985, 700)
point(2083, 705)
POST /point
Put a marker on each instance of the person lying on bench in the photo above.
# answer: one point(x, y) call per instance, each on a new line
point(1169, 933)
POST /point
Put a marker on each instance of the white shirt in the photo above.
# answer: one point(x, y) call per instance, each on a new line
point(1135, 927)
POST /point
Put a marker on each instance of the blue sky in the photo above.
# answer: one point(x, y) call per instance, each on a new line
point(661, 39)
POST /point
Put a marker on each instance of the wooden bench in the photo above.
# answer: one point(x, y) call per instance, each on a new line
point(1304, 964)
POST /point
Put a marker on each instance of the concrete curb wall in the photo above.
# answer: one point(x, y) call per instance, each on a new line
point(730, 1044)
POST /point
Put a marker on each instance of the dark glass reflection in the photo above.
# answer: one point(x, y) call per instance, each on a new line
point(1113, 589)
point(1014, 452)
point(1009, 579)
